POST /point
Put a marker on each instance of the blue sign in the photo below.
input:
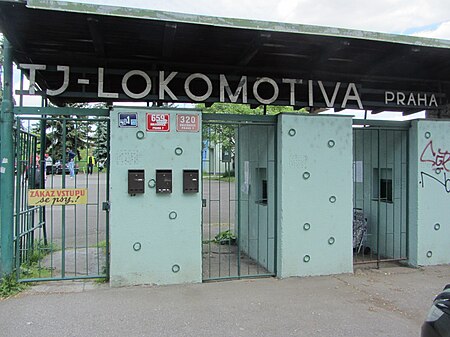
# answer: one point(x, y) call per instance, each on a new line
point(128, 120)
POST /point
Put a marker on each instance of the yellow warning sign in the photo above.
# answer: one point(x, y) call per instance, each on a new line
point(64, 196)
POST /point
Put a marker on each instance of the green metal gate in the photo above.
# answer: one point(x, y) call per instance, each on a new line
point(239, 197)
point(380, 196)
point(61, 242)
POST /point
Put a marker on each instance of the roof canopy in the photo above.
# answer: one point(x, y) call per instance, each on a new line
point(88, 38)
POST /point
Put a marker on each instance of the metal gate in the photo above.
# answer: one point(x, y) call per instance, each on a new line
point(55, 238)
point(239, 198)
point(380, 196)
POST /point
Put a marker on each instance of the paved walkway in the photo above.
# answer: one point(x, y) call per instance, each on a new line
point(382, 303)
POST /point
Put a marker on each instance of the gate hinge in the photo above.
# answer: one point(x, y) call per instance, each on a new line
point(106, 205)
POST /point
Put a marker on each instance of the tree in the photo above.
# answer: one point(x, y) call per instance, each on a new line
point(225, 134)
point(79, 135)
point(245, 109)
point(101, 141)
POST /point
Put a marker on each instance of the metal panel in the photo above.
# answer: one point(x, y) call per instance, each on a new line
point(238, 223)
point(61, 242)
point(380, 195)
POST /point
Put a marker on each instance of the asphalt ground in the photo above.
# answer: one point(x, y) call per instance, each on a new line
point(386, 302)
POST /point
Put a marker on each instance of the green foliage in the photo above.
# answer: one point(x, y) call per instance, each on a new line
point(80, 135)
point(9, 286)
point(223, 136)
point(77, 136)
point(244, 109)
point(101, 141)
point(101, 244)
point(39, 251)
point(32, 268)
point(228, 174)
point(225, 237)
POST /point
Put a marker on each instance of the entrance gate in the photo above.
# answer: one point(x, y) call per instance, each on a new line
point(239, 197)
point(61, 242)
point(380, 195)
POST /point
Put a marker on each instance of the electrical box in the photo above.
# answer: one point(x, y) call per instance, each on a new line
point(163, 181)
point(136, 181)
point(190, 181)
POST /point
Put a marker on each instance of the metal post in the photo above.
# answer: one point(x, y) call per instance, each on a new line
point(43, 170)
point(7, 165)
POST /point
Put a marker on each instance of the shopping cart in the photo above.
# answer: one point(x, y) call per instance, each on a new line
point(359, 229)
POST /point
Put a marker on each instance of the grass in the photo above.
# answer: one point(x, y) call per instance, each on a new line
point(102, 245)
point(10, 287)
point(32, 268)
point(219, 178)
point(82, 164)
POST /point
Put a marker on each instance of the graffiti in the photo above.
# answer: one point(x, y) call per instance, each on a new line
point(439, 160)
point(444, 181)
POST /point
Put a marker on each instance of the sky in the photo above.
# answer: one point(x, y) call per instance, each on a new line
point(428, 18)
point(425, 18)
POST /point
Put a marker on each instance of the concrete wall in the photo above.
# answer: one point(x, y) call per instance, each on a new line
point(429, 193)
point(314, 195)
point(256, 216)
point(382, 154)
point(144, 218)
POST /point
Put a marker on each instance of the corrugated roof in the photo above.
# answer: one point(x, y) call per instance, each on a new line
point(86, 37)
point(142, 13)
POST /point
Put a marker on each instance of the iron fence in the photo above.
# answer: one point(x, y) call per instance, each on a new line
point(61, 241)
point(380, 175)
point(239, 198)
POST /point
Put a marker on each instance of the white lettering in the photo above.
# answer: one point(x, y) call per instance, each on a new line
point(60, 90)
point(242, 86)
point(32, 78)
point(433, 101)
point(411, 99)
point(275, 90)
point(353, 97)
point(101, 93)
point(148, 84)
point(388, 97)
point(163, 85)
point(188, 89)
point(328, 95)
point(292, 82)
point(401, 98)
point(329, 103)
point(310, 93)
point(422, 100)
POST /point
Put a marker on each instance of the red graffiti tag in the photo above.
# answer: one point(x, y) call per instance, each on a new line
point(437, 159)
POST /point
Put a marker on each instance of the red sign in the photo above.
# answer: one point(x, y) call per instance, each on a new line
point(158, 122)
point(187, 123)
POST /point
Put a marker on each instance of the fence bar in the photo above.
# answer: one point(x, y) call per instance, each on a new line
point(7, 165)
point(383, 193)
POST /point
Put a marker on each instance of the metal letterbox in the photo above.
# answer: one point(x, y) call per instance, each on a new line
point(163, 181)
point(136, 180)
point(190, 181)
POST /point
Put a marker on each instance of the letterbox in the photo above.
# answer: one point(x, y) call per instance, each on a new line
point(136, 181)
point(163, 181)
point(190, 181)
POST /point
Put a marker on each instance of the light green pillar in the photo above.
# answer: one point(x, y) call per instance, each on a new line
point(7, 165)
point(429, 234)
point(315, 206)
